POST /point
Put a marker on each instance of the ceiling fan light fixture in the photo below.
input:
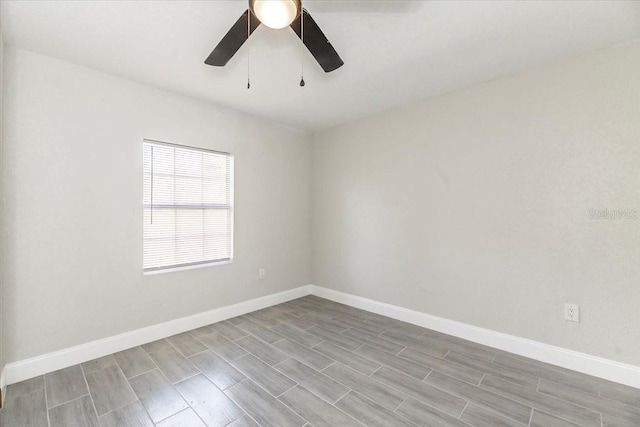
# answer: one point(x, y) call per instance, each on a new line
point(276, 14)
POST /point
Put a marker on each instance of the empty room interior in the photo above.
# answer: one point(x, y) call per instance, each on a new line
point(320, 214)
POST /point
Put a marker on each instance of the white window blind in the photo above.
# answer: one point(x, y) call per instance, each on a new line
point(188, 218)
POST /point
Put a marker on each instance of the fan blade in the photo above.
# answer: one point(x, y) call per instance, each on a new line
point(232, 41)
point(317, 43)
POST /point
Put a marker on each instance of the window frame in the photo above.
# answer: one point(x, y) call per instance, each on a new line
point(231, 208)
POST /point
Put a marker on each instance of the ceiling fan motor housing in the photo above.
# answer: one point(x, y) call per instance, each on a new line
point(276, 14)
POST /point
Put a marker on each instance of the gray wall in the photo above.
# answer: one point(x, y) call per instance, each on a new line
point(475, 206)
point(73, 193)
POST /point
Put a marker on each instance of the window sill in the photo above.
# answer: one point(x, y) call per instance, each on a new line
point(188, 267)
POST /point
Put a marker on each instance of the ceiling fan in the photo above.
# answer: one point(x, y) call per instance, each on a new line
point(277, 14)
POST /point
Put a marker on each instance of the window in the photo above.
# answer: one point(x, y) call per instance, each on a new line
point(188, 209)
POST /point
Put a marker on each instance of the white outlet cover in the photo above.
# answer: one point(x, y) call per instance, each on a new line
point(572, 312)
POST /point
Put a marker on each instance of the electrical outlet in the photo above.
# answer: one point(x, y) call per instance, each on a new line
point(261, 273)
point(572, 312)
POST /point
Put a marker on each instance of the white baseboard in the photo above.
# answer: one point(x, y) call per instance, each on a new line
point(581, 362)
point(29, 368)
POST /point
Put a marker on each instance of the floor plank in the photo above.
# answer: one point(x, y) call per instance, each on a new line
point(65, 385)
point(211, 405)
point(77, 413)
point(186, 344)
point(264, 408)
point(439, 399)
point(369, 413)
point(265, 351)
point(27, 410)
point(133, 415)
point(306, 355)
point(134, 361)
point(157, 395)
point(427, 416)
point(387, 397)
point(398, 363)
point(222, 346)
point(549, 404)
point(186, 418)
point(347, 358)
point(264, 375)
point(494, 401)
point(109, 389)
point(298, 335)
point(315, 381)
point(218, 370)
point(315, 410)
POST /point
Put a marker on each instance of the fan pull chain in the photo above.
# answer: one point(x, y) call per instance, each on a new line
point(248, 49)
point(302, 83)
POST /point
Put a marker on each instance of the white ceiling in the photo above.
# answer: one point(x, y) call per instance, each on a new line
point(395, 52)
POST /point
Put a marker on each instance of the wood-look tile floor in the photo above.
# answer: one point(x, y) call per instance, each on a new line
point(313, 362)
